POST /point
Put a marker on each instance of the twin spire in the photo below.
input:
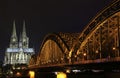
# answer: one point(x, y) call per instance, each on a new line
point(14, 30)
point(23, 41)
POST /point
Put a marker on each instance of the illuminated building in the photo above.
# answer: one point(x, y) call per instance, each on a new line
point(18, 51)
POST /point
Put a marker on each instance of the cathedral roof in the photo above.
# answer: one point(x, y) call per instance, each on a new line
point(25, 50)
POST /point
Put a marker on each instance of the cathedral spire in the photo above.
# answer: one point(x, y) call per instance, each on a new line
point(13, 40)
point(14, 30)
point(24, 37)
point(24, 30)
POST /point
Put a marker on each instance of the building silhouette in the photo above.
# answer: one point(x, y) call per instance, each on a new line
point(18, 51)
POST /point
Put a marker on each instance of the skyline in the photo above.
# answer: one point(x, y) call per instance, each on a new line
point(43, 17)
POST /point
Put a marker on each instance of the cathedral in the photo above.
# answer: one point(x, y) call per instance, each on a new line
point(18, 51)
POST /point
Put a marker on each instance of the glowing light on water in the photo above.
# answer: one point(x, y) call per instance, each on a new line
point(68, 71)
point(61, 75)
point(32, 74)
point(76, 71)
point(18, 74)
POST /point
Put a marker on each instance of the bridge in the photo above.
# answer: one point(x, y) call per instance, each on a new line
point(98, 44)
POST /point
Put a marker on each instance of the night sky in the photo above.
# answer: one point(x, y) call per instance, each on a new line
point(45, 16)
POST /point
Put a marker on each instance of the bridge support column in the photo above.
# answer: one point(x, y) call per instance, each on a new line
point(118, 43)
point(100, 43)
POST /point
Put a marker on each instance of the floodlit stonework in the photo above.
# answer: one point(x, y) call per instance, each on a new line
point(18, 51)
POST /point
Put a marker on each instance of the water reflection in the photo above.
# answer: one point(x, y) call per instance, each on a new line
point(74, 74)
point(32, 74)
point(18, 74)
point(61, 75)
point(85, 74)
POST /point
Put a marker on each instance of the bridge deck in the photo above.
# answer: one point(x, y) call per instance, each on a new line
point(82, 62)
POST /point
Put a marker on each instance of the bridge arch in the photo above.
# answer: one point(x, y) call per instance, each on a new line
point(53, 50)
point(100, 38)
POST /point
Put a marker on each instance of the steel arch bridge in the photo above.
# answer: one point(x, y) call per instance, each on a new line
point(98, 42)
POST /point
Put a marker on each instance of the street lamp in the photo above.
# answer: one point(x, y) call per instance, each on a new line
point(96, 51)
point(84, 54)
point(114, 48)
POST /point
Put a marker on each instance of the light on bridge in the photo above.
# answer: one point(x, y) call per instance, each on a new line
point(84, 54)
point(75, 56)
point(114, 48)
point(96, 51)
point(62, 59)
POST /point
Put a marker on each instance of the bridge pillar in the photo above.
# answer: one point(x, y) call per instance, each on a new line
point(118, 43)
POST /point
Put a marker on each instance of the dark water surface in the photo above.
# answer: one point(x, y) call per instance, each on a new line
point(82, 75)
point(74, 75)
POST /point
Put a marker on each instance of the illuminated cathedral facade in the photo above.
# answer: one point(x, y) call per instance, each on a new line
point(18, 51)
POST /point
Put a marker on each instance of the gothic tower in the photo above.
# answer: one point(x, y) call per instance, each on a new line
point(14, 39)
point(24, 40)
point(18, 52)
